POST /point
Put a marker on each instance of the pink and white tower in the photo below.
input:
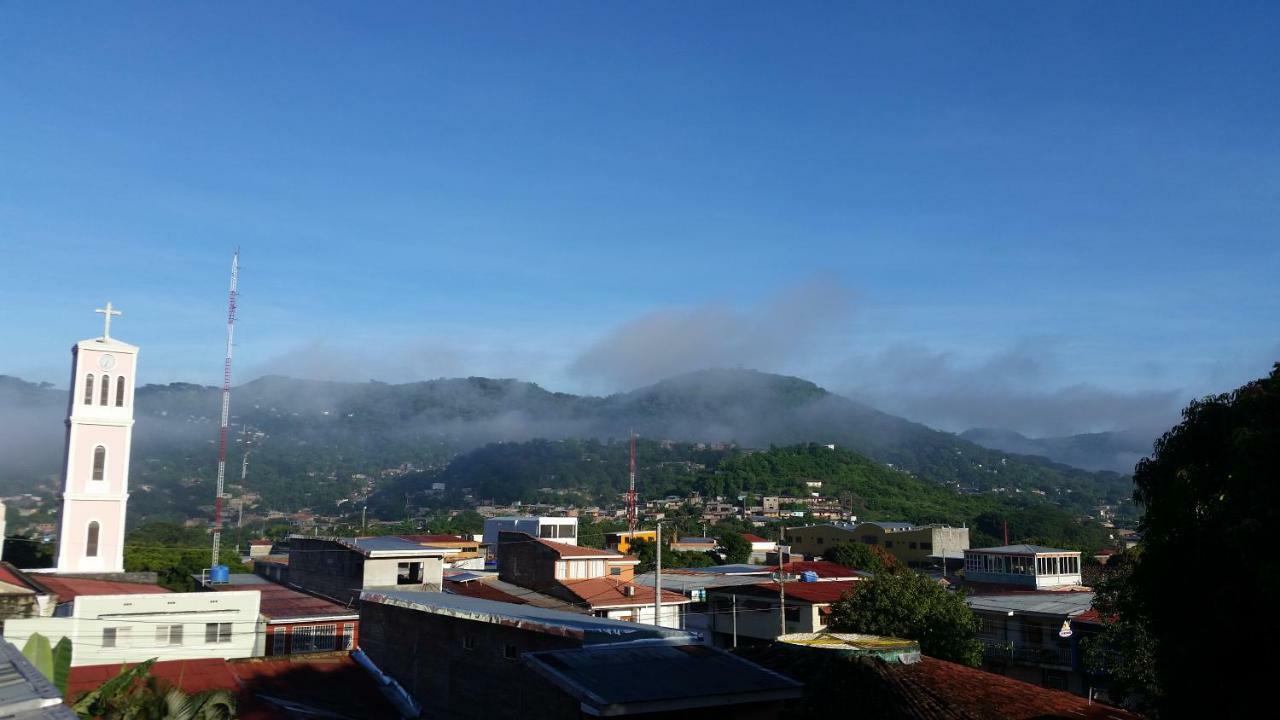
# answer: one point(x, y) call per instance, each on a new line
point(96, 473)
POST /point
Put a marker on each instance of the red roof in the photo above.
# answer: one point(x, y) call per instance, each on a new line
point(823, 568)
point(8, 575)
point(604, 592)
point(937, 688)
point(753, 538)
point(573, 551)
point(263, 541)
point(332, 682)
point(280, 603)
point(814, 592)
point(480, 589)
point(69, 588)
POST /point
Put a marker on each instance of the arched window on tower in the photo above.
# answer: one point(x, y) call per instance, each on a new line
point(88, 389)
point(106, 389)
point(120, 391)
point(99, 462)
point(91, 540)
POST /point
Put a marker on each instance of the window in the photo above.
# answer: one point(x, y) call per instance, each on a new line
point(106, 389)
point(547, 531)
point(88, 389)
point(409, 573)
point(217, 632)
point(819, 540)
point(169, 635)
point(109, 637)
point(99, 462)
point(304, 639)
point(91, 540)
point(348, 634)
point(911, 545)
point(889, 543)
point(277, 641)
point(468, 642)
point(615, 571)
point(926, 546)
point(870, 539)
point(510, 652)
point(120, 391)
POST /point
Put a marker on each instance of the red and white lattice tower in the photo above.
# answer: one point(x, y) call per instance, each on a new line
point(226, 408)
point(631, 490)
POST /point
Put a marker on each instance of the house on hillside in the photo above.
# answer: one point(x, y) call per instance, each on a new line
point(916, 546)
point(750, 614)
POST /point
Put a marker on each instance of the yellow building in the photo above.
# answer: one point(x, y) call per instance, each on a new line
point(911, 544)
point(621, 541)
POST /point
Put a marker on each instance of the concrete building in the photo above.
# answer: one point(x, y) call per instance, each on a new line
point(597, 580)
point(1026, 566)
point(1022, 636)
point(463, 657)
point(749, 614)
point(623, 541)
point(340, 568)
point(292, 622)
point(114, 629)
point(560, 529)
point(911, 544)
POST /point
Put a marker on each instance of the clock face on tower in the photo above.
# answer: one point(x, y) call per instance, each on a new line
point(106, 362)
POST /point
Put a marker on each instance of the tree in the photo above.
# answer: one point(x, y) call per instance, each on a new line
point(860, 556)
point(133, 694)
point(1125, 650)
point(734, 549)
point(1208, 576)
point(909, 605)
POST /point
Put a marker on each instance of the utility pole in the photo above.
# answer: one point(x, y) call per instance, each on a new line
point(782, 598)
point(657, 582)
point(364, 525)
point(735, 619)
point(226, 408)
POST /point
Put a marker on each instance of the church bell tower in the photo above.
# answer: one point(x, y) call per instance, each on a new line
point(95, 487)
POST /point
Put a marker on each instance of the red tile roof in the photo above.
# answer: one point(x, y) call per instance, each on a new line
point(937, 688)
point(331, 681)
point(280, 603)
point(753, 538)
point(604, 592)
point(69, 588)
point(7, 575)
point(815, 592)
point(573, 551)
point(823, 568)
point(263, 541)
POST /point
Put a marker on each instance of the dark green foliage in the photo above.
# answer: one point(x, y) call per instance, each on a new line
point(1207, 584)
point(1125, 650)
point(909, 605)
point(860, 556)
point(176, 553)
point(734, 549)
point(25, 551)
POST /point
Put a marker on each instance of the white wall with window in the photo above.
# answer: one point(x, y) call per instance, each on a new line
point(579, 569)
point(109, 629)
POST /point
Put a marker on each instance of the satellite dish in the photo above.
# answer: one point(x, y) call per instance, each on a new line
point(1065, 632)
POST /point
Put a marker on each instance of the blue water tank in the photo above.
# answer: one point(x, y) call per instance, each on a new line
point(808, 576)
point(220, 574)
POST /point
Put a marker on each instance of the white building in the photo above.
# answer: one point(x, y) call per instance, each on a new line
point(95, 485)
point(1029, 566)
point(560, 529)
point(113, 629)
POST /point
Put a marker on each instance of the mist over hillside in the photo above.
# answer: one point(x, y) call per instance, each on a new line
point(301, 432)
point(1114, 451)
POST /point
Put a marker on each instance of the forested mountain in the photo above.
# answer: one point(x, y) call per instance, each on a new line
point(306, 438)
point(1114, 451)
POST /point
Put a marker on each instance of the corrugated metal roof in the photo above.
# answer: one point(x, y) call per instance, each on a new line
point(1064, 604)
point(24, 692)
point(587, 628)
point(392, 545)
point(1019, 550)
point(659, 677)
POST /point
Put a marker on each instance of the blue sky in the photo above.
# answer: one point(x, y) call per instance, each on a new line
point(1070, 210)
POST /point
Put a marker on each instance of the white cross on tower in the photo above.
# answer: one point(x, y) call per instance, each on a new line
point(107, 312)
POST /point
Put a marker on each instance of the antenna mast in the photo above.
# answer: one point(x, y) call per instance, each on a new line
point(226, 409)
point(631, 491)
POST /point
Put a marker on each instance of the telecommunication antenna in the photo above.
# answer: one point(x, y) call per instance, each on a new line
point(631, 491)
point(226, 409)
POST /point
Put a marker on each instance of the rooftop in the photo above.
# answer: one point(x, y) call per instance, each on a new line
point(824, 568)
point(752, 538)
point(68, 588)
point(563, 550)
point(282, 604)
point(697, 541)
point(25, 694)
point(889, 649)
point(312, 686)
point(1019, 550)
point(1068, 604)
point(590, 630)
point(660, 678)
point(391, 546)
point(606, 593)
point(815, 592)
point(721, 570)
point(891, 526)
